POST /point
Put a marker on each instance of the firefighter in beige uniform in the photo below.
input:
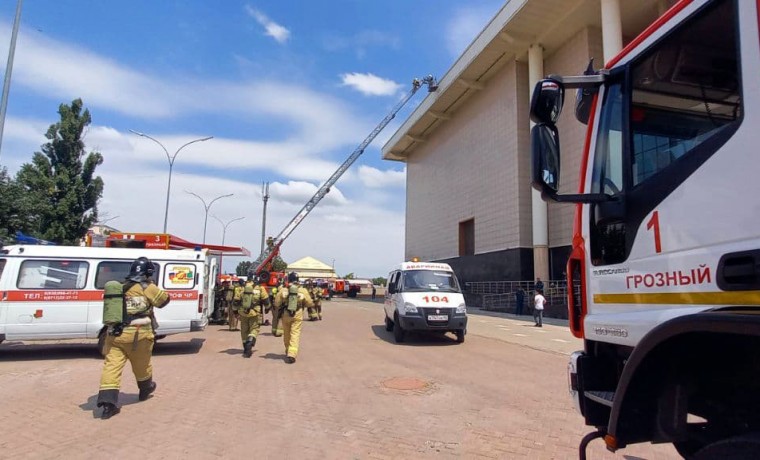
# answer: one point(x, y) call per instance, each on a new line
point(292, 300)
point(237, 299)
point(277, 330)
point(134, 340)
point(254, 301)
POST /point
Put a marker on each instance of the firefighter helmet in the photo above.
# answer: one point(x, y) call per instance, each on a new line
point(292, 277)
point(141, 269)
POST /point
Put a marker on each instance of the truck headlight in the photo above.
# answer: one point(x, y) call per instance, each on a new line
point(462, 308)
point(409, 308)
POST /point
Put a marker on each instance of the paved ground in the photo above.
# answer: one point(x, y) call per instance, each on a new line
point(502, 394)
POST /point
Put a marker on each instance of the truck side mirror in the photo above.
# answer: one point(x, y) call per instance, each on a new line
point(392, 288)
point(546, 103)
point(545, 153)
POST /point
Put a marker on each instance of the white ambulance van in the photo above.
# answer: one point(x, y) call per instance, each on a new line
point(424, 296)
point(56, 292)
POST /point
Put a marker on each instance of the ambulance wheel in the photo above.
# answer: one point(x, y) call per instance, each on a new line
point(388, 324)
point(460, 335)
point(398, 332)
point(102, 342)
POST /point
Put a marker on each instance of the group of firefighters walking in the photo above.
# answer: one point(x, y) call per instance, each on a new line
point(246, 304)
point(132, 337)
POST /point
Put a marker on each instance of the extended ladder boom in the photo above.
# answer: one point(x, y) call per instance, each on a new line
point(271, 251)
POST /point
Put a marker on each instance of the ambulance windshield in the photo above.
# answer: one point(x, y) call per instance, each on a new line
point(430, 280)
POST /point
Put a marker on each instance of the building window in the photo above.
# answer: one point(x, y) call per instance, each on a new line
point(467, 238)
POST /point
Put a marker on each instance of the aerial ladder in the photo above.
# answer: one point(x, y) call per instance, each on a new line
point(273, 245)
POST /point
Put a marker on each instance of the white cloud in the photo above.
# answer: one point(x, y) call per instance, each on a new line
point(274, 30)
point(370, 84)
point(298, 193)
point(466, 23)
point(375, 178)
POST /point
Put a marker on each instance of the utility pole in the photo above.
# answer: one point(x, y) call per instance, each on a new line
point(9, 70)
point(265, 197)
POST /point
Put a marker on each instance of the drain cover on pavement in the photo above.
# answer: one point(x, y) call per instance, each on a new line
point(406, 383)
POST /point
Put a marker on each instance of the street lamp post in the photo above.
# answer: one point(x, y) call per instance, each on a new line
point(224, 235)
point(171, 159)
point(207, 206)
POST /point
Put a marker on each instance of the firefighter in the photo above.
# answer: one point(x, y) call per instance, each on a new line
point(229, 294)
point(253, 303)
point(218, 303)
point(237, 299)
point(309, 285)
point(133, 339)
point(292, 301)
point(316, 295)
point(277, 330)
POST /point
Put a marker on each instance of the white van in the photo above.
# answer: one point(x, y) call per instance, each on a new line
point(56, 292)
point(424, 296)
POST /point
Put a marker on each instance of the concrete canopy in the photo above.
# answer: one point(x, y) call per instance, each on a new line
point(519, 23)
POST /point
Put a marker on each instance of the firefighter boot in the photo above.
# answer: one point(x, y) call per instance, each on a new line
point(248, 347)
point(146, 387)
point(109, 410)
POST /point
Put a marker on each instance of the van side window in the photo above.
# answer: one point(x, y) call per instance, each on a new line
point(2, 266)
point(116, 271)
point(394, 281)
point(53, 274)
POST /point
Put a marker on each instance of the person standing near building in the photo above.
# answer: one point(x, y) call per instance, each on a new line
point(253, 302)
point(539, 285)
point(133, 339)
point(374, 291)
point(293, 300)
point(520, 297)
point(539, 302)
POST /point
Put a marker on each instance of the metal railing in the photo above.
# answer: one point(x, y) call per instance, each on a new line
point(502, 296)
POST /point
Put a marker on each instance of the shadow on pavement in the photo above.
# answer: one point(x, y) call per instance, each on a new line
point(20, 351)
point(91, 404)
point(190, 347)
point(233, 351)
point(416, 339)
point(273, 356)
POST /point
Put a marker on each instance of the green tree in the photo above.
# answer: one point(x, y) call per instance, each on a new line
point(60, 182)
point(350, 276)
point(243, 268)
point(278, 264)
point(16, 213)
point(379, 281)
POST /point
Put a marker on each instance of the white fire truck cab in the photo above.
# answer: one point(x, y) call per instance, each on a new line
point(56, 292)
point(665, 261)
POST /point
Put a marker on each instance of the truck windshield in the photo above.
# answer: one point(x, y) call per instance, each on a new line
point(430, 280)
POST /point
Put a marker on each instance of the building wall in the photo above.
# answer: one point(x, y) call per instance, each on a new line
point(467, 170)
point(477, 165)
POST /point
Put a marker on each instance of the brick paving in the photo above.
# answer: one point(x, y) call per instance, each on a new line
point(487, 398)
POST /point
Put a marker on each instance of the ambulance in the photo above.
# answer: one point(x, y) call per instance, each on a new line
point(424, 296)
point(56, 292)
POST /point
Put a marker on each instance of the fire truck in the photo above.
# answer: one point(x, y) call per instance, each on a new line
point(665, 260)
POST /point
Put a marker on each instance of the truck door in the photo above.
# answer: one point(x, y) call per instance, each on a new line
point(668, 138)
point(209, 283)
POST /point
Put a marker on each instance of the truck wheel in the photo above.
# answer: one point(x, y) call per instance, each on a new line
point(398, 332)
point(388, 324)
point(460, 335)
point(745, 447)
point(102, 342)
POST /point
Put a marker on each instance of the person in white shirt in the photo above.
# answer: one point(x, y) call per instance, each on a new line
point(538, 310)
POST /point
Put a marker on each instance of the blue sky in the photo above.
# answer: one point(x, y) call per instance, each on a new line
point(288, 90)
